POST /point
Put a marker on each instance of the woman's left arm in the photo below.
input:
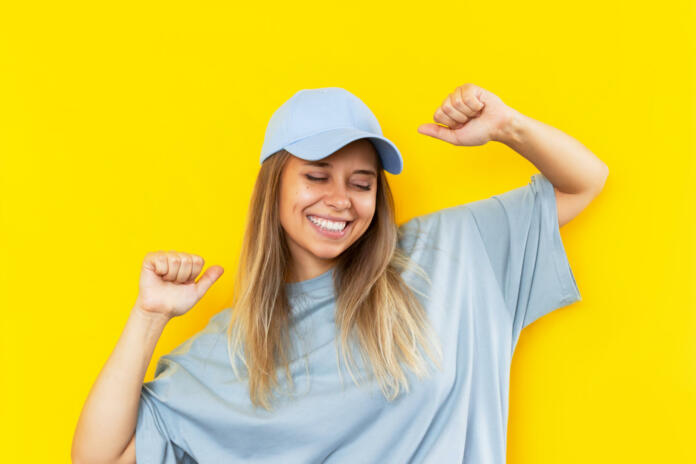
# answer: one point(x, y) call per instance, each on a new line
point(474, 116)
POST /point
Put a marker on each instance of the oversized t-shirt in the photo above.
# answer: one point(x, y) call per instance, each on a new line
point(496, 265)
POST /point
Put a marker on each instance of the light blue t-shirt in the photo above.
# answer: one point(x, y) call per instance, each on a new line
point(496, 266)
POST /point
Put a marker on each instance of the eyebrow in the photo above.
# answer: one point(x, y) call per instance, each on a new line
point(324, 164)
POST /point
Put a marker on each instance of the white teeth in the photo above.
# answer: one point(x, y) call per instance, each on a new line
point(329, 225)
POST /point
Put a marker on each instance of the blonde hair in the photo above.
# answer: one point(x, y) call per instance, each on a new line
point(373, 303)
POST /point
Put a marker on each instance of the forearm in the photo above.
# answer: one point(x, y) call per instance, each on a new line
point(108, 419)
point(563, 160)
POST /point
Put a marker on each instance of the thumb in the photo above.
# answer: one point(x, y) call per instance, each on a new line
point(437, 131)
point(208, 278)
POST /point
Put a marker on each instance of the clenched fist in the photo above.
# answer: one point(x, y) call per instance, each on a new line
point(168, 284)
point(470, 116)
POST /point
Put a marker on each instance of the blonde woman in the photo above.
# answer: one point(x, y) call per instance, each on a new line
point(350, 339)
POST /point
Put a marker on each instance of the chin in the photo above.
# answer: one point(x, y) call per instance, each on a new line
point(327, 254)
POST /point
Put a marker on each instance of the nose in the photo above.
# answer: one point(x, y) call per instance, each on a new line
point(338, 198)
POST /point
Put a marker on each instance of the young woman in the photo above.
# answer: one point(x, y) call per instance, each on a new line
point(432, 309)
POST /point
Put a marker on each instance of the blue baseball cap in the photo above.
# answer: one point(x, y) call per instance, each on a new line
point(314, 123)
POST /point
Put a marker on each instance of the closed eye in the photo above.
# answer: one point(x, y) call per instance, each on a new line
point(318, 179)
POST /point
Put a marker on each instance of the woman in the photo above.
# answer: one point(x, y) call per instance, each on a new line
point(433, 308)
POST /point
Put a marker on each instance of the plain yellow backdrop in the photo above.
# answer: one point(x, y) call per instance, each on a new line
point(131, 127)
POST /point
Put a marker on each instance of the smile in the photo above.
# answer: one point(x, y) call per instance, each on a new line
point(330, 229)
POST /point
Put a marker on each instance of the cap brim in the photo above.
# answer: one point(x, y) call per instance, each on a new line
point(323, 144)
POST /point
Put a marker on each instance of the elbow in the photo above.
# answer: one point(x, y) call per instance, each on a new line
point(599, 185)
point(606, 174)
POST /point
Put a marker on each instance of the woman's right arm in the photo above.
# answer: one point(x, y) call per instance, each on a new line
point(107, 422)
point(105, 432)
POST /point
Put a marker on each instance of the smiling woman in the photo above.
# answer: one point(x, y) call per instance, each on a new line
point(433, 307)
point(326, 206)
point(334, 217)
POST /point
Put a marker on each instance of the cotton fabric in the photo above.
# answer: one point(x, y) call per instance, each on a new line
point(496, 266)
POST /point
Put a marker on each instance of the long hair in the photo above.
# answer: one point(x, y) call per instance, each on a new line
point(373, 303)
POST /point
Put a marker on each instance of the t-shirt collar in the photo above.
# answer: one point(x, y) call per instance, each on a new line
point(316, 286)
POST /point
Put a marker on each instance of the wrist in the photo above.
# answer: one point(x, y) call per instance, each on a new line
point(149, 317)
point(509, 129)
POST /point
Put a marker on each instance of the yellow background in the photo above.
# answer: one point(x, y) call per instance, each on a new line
point(128, 128)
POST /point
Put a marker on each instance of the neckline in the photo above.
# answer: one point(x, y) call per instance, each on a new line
point(323, 281)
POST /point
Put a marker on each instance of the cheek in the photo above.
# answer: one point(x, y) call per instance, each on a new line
point(365, 207)
point(304, 197)
point(304, 193)
point(298, 200)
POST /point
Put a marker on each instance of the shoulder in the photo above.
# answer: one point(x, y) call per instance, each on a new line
point(219, 320)
point(200, 344)
point(434, 221)
point(439, 230)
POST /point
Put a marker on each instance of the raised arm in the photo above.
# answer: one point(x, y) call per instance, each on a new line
point(474, 116)
point(106, 428)
point(107, 423)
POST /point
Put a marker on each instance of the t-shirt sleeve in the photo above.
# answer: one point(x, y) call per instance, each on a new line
point(157, 437)
point(520, 231)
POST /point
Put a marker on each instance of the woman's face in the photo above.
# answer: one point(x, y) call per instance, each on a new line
point(341, 186)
